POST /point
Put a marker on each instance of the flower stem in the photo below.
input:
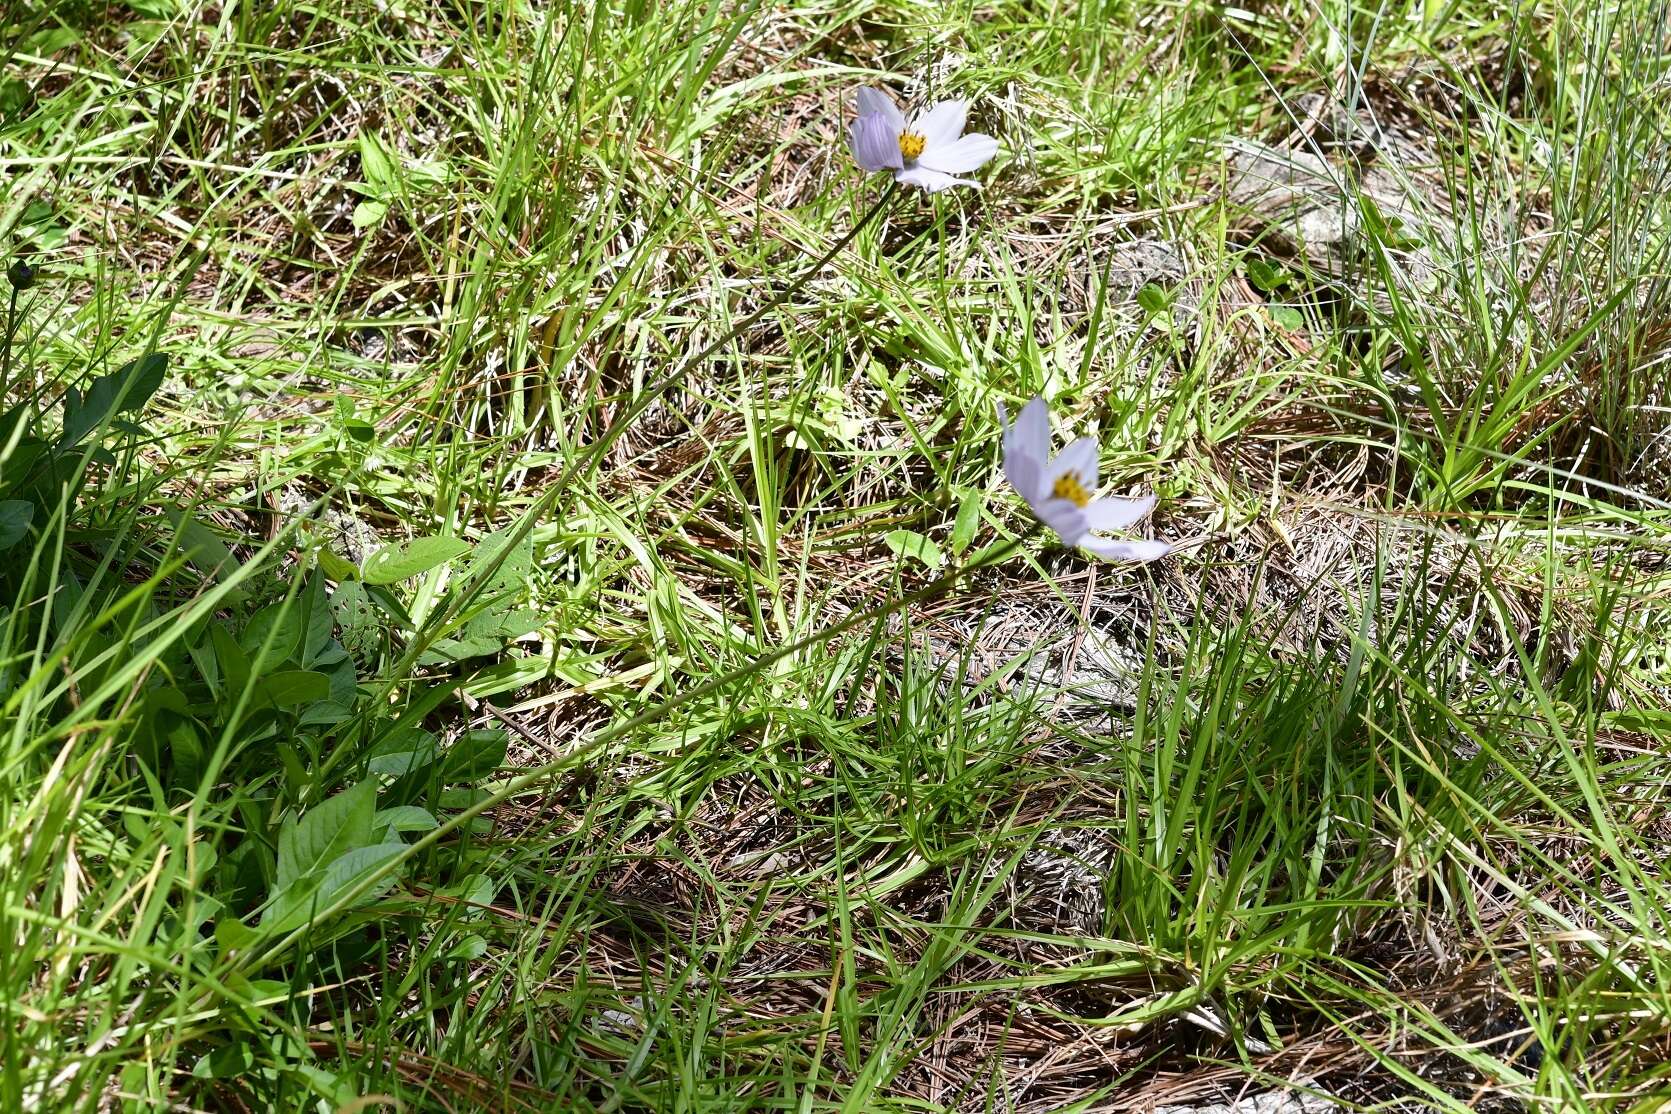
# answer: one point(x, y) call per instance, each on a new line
point(6, 349)
point(595, 452)
point(619, 426)
point(782, 296)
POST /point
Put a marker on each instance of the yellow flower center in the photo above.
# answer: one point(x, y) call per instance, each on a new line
point(1067, 486)
point(911, 144)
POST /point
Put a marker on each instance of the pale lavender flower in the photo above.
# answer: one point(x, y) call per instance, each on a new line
point(1061, 491)
point(929, 152)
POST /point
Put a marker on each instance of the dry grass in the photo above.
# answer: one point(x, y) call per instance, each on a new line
point(1358, 794)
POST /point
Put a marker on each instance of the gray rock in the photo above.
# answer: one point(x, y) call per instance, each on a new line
point(1314, 209)
point(1271, 1102)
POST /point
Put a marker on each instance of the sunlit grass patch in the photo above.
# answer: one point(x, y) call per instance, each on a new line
point(557, 632)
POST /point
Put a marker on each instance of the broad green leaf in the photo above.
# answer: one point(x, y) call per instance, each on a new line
point(292, 904)
point(15, 96)
point(968, 520)
point(275, 633)
point(289, 687)
point(477, 889)
point(46, 42)
point(229, 1061)
point(1267, 277)
point(325, 712)
point(14, 521)
point(368, 214)
point(402, 561)
point(909, 543)
point(470, 946)
point(337, 568)
point(167, 735)
point(334, 662)
point(332, 827)
point(353, 867)
point(504, 625)
point(304, 898)
point(1648, 721)
point(407, 818)
point(360, 430)
point(231, 933)
point(402, 752)
point(355, 614)
point(511, 566)
point(143, 378)
point(316, 642)
point(80, 419)
point(474, 755)
point(1153, 299)
point(203, 547)
point(377, 163)
point(461, 649)
point(130, 387)
point(232, 662)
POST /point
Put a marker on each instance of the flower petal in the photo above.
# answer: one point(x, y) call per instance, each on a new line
point(965, 154)
point(1021, 467)
point(1032, 429)
point(875, 143)
point(931, 180)
point(873, 102)
point(942, 124)
point(1064, 517)
point(1116, 513)
point(1022, 470)
point(1080, 458)
point(1139, 551)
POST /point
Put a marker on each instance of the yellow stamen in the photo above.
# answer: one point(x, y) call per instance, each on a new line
point(911, 144)
point(1067, 486)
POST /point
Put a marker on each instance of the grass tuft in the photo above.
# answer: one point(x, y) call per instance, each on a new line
point(508, 599)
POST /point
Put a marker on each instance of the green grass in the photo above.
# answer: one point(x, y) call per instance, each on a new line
point(748, 749)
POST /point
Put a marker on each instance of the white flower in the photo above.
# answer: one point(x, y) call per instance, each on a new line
point(1060, 491)
point(928, 152)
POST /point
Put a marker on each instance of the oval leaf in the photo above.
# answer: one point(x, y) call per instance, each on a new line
point(14, 521)
point(330, 828)
point(402, 561)
point(968, 521)
point(288, 687)
point(909, 543)
point(407, 818)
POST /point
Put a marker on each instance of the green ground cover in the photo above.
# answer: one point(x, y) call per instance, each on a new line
point(489, 620)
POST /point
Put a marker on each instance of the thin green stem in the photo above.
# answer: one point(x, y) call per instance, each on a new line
point(6, 348)
point(648, 397)
point(595, 452)
point(876, 210)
